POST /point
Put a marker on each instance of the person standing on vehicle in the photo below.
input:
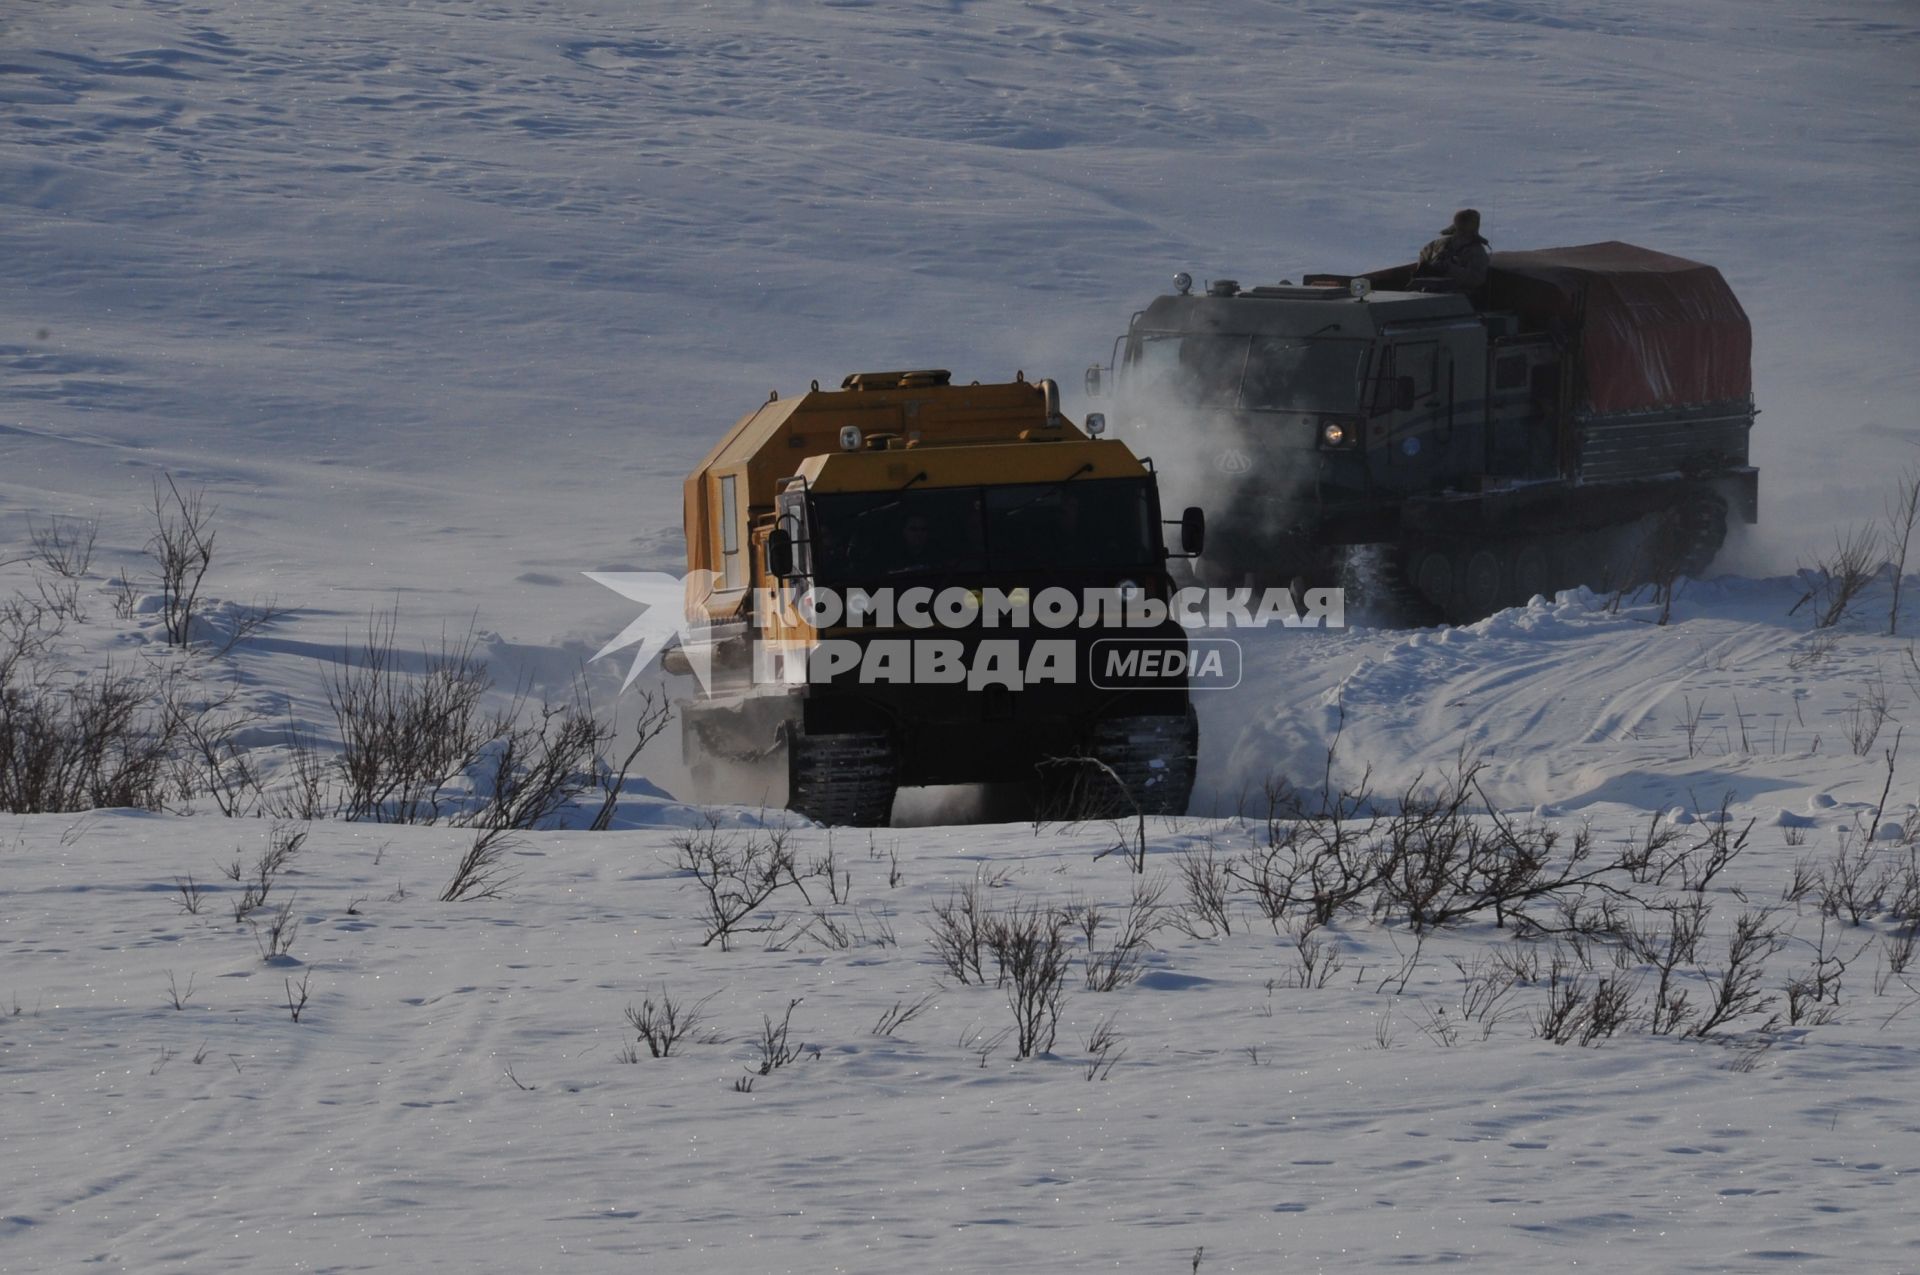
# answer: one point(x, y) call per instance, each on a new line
point(1456, 261)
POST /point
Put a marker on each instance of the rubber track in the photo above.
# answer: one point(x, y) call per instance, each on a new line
point(1155, 757)
point(847, 780)
point(1408, 606)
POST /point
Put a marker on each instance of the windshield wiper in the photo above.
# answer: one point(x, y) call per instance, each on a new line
point(1048, 491)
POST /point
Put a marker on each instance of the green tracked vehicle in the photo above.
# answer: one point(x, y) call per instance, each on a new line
point(1582, 418)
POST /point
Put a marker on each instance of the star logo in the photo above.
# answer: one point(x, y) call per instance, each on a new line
point(662, 620)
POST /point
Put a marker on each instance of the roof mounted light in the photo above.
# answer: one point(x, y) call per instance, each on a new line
point(850, 439)
point(1096, 424)
point(1183, 283)
point(1360, 288)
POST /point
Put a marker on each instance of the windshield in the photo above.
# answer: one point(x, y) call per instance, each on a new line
point(1255, 374)
point(1202, 370)
point(1296, 375)
point(1086, 524)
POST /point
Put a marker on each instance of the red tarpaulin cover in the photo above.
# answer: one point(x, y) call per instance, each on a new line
point(1652, 330)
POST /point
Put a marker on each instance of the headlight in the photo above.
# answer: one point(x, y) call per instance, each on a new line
point(1338, 434)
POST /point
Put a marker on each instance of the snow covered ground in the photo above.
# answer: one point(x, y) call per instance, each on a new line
point(439, 302)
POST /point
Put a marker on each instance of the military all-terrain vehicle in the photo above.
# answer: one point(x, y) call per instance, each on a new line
point(1582, 418)
point(899, 498)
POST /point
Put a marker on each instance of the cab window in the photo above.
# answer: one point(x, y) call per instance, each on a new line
point(733, 562)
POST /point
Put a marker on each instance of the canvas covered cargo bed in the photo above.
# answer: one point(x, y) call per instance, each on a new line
point(1650, 330)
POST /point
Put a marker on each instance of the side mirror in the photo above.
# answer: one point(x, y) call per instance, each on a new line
point(780, 553)
point(1403, 394)
point(1193, 530)
point(1095, 374)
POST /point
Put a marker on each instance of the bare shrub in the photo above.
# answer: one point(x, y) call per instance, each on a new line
point(297, 996)
point(251, 896)
point(182, 549)
point(301, 790)
point(1582, 1012)
point(1444, 856)
point(736, 876)
point(1440, 1028)
point(1612, 1009)
point(403, 737)
point(982, 1045)
point(1487, 988)
point(1697, 865)
point(126, 597)
point(176, 997)
point(1440, 866)
point(1835, 581)
point(481, 871)
point(776, 1050)
point(652, 714)
point(1118, 964)
point(1667, 943)
point(900, 1015)
point(191, 895)
point(1734, 992)
point(959, 934)
point(284, 841)
point(64, 546)
point(1902, 512)
point(1104, 1049)
point(210, 759)
point(840, 933)
point(1316, 960)
point(1814, 994)
point(1900, 947)
point(1853, 885)
point(406, 737)
point(27, 630)
point(1317, 856)
point(661, 1024)
point(61, 598)
point(106, 741)
point(1083, 787)
point(1866, 715)
point(1647, 859)
point(533, 767)
point(1814, 651)
point(1690, 722)
point(276, 939)
point(1209, 892)
point(827, 868)
point(1031, 951)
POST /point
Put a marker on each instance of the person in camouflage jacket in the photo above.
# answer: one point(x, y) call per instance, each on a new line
point(1457, 260)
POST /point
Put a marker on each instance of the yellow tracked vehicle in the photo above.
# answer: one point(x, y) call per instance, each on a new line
point(908, 582)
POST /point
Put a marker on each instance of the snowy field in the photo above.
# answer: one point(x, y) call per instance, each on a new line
point(438, 303)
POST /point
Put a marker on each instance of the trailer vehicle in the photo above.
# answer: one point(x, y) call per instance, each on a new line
point(835, 543)
point(1582, 418)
